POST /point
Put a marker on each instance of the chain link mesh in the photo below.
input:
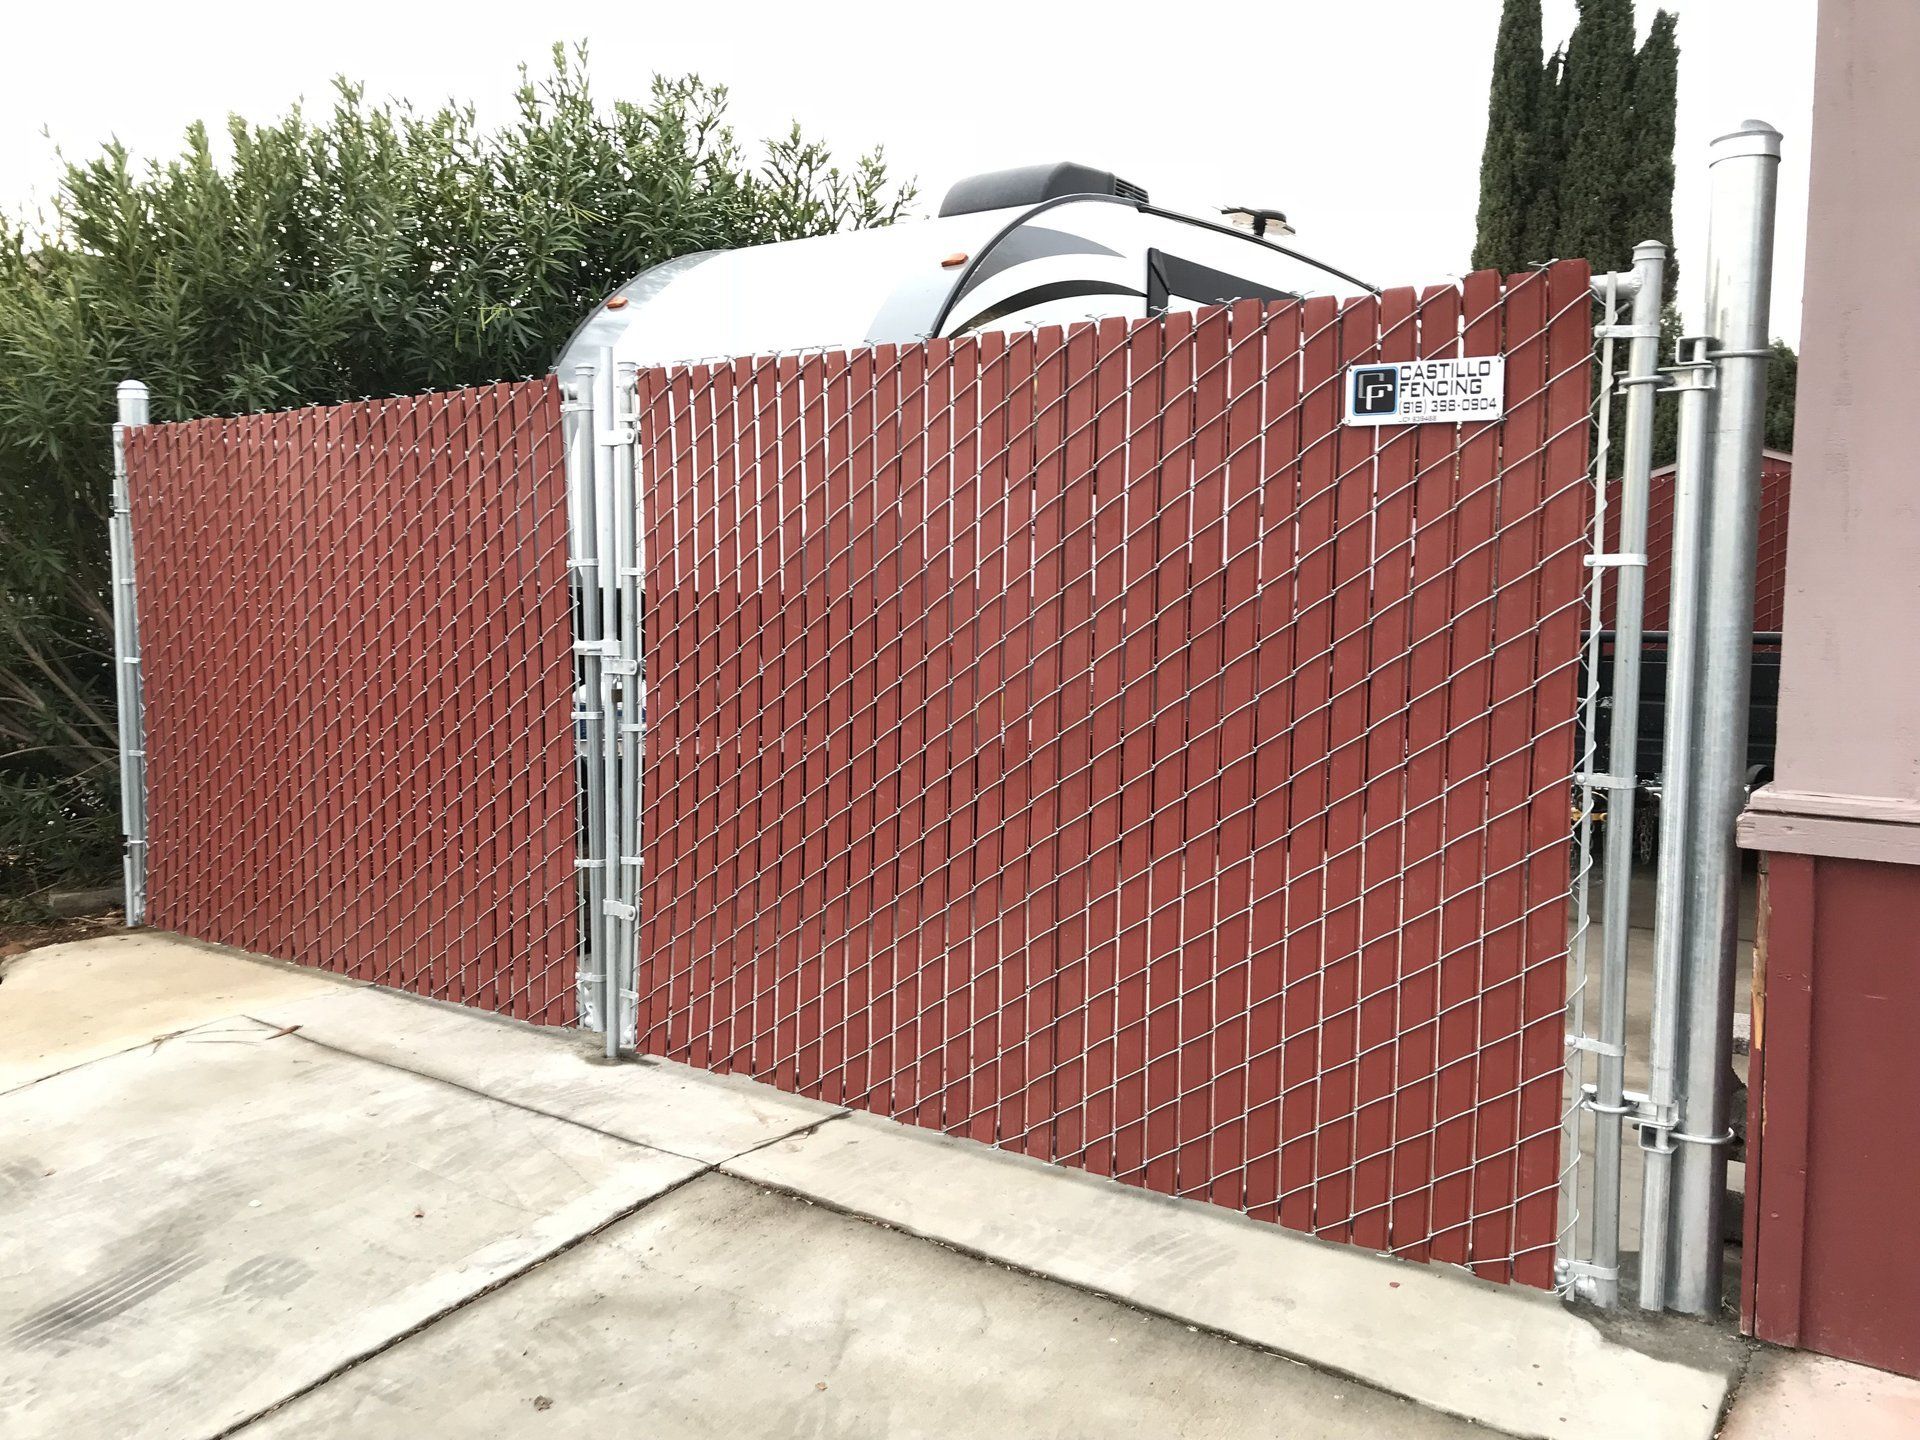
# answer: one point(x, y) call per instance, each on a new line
point(358, 677)
point(1080, 741)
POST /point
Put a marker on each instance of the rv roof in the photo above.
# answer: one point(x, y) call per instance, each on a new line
point(1063, 259)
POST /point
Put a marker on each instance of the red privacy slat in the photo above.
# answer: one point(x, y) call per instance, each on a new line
point(358, 679)
point(1082, 741)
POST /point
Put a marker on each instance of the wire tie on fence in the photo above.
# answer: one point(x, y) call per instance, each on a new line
point(1622, 561)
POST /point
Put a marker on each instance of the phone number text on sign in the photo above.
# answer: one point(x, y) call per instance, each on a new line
point(1427, 392)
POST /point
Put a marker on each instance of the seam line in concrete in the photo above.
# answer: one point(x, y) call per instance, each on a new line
point(150, 1042)
point(1125, 1302)
point(465, 1089)
point(399, 1337)
point(528, 1109)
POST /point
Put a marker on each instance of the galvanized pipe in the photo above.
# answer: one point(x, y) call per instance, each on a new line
point(576, 413)
point(1571, 1264)
point(627, 568)
point(1629, 563)
point(1694, 382)
point(132, 401)
point(1745, 176)
point(605, 435)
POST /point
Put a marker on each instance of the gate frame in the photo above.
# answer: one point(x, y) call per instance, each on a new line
point(1681, 1120)
point(599, 416)
point(131, 400)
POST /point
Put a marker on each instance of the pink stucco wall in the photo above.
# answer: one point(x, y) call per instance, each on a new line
point(1847, 780)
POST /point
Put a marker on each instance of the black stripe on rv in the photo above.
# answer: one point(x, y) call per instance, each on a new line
point(1041, 295)
point(1030, 242)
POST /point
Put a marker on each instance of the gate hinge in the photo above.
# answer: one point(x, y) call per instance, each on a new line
point(1626, 332)
point(614, 438)
point(1594, 781)
point(1594, 1046)
point(618, 909)
point(615, 666)
point(603, 648)
point(1656, 1123)
point(1584, 1280)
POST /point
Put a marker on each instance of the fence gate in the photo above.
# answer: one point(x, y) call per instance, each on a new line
point(353, 638)
point(1158, 747)
point(1086, 742)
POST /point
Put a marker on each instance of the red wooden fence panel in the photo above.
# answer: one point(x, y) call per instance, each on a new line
point(358, 671)
point(1116, 758)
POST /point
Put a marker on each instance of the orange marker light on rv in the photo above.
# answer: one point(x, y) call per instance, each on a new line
point(618, 302)
point(957, 258)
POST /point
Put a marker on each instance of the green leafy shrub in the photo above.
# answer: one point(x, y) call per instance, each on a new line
point(378, 250)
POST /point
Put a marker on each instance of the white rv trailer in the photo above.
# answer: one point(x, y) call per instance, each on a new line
point(1049, 244)
point(1046, 244)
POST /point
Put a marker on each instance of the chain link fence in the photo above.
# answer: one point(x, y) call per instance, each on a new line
point(356, 655)
point(1083, 742)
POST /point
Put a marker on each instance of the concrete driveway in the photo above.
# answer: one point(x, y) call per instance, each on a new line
point(246, 1199)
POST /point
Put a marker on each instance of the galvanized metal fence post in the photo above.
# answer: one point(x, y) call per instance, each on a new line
point(632, 713)
point(613, 457)
point(583, 562)
point(132, 401)
point(1572, 1259)
point(1745, 177)
point(1600, 1279)
point(1693, 378)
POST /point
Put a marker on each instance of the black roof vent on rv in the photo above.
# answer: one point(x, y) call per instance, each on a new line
point(1031, 184)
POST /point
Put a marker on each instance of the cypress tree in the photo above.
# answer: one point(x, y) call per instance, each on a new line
point(1510, 170)
point(1648, 176)
point(1541, 233)
point(1599, 126)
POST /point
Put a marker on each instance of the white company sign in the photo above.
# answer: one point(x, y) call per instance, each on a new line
point(1427, 392)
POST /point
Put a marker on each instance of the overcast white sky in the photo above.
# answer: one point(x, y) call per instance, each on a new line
point(1363, 121)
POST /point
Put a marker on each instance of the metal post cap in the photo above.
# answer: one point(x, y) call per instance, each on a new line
point(1754, 138)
